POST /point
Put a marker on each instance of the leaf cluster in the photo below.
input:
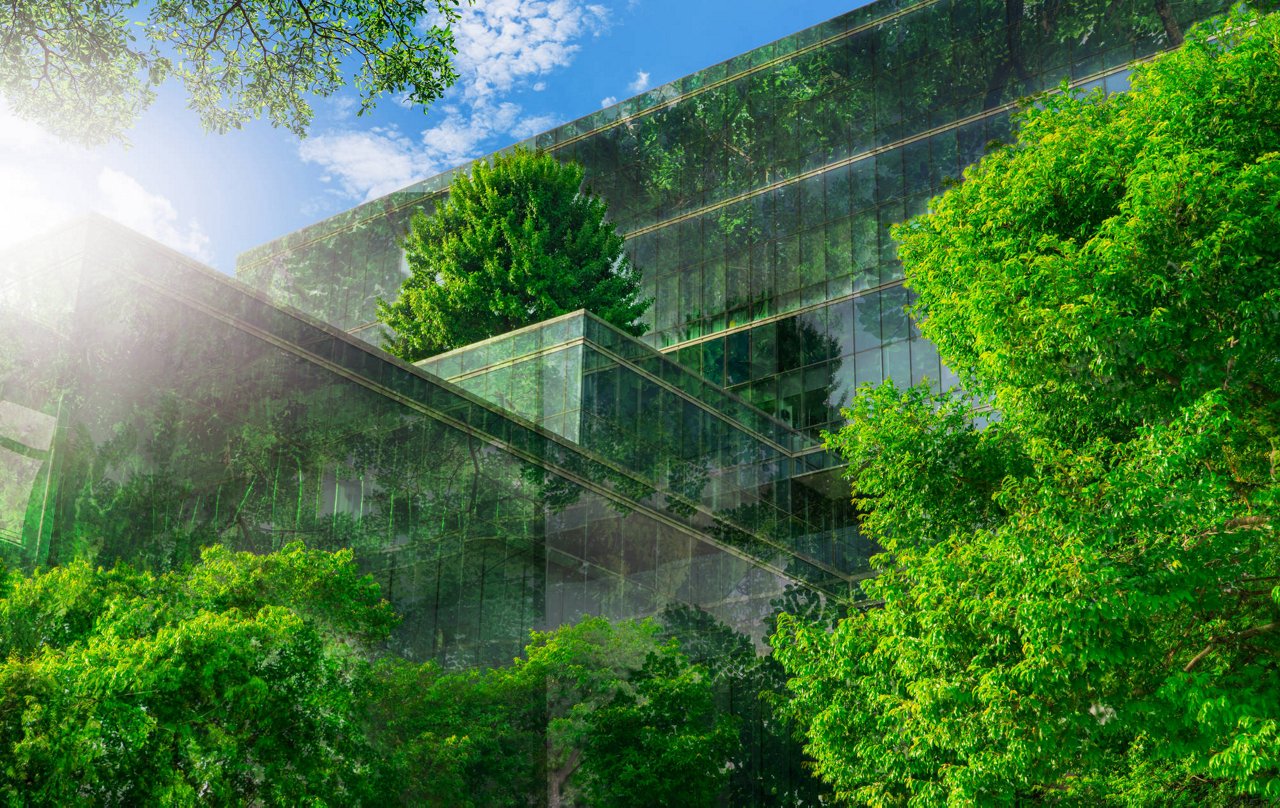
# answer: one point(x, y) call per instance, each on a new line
point(86, 71)
point(230, 681)
point(1079, 578)
point(595, 713)
point(252, 679)
point(516, 242)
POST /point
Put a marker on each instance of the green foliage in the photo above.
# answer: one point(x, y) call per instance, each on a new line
point(626, 712)
point(247, 679)
point(910, 439)
point(768, 766)
point(456, 739)
point(597, 713)
point(657, 745)
point(516, 242)
point(230, 681)
point(1120, 259)
point(87, 70)
point(1079, 599)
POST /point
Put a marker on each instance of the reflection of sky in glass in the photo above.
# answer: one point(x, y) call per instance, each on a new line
point(26, 426)
point(18, 475)
point(24, 433)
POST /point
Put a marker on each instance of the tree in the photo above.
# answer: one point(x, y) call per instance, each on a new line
point(252, 679)
point(231, 681)
point(629, 721)
point(456, 739)
point(516, 242)
point(598, 713)
point(768, 766)
point(1079, 598)
point(86, 71)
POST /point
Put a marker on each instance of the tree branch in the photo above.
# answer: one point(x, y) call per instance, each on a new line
point(1254, 522)
point(1244, 635)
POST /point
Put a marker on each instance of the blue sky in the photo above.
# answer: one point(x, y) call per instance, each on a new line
point(526, 65)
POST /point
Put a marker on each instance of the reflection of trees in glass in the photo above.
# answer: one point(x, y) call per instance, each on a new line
point(182, 431)
point(946, 61)
point(424, 506)
point(807, 241)
point(681, 459)
point(337, 278)
point(770, 768)
point(638, 417)
point(910, 74)
point(805, 100)
point(792, 366)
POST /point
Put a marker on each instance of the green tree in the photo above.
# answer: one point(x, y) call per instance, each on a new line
point(87, 70)
point(457, 739)
point(248, 679)
point(1079, 597)
point(516, 242)
point(231, 681)
point(597, 713)
point(630, 722)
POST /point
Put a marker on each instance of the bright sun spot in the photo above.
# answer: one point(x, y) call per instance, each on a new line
point(47, 182)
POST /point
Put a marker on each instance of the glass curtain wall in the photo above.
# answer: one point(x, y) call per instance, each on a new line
point(38, 293)
point(756, 195)
point(698, 447)
point(168, 408)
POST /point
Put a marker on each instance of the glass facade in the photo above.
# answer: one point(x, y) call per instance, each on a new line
point(512, 370)
point(152, 406)
point(756, 195)
point(675, 433)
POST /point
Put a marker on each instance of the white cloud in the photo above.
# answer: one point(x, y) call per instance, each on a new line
point(342, 106)
point(608, 101)
point(365, 164)
point(370, 164)
point(503, 46)
point(528, 127)
point(121, 197)
point(641, 82)
point(47, 181)
point(502, 43)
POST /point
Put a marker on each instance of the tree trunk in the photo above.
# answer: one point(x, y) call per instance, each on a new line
point(557, 778)
point(1171, 27)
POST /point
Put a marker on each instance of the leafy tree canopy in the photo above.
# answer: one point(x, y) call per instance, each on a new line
point(515, 243)
point(227, 682)
point(247, 679)
point(598, 713)
point(1080, 600)
point(86, 71)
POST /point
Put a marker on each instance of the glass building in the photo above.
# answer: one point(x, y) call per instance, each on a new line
point(150, 406)
point(756, 195)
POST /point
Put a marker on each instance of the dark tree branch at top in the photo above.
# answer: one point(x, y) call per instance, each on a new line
point(86, 72)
